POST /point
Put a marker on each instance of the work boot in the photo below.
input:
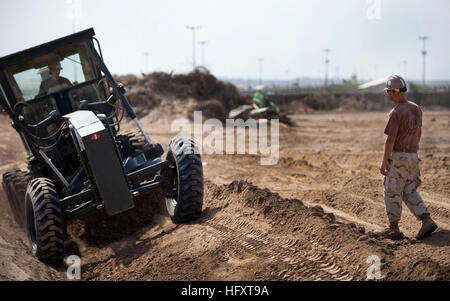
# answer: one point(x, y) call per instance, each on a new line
point(428, 227)
point(392, 232)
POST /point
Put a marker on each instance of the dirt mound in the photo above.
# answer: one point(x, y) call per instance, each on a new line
point(361, 103)
point(424, 269)
point(288, 212)
point(214, 97)
point(330, 102)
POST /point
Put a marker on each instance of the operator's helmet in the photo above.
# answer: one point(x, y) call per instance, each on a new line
point(396, 83)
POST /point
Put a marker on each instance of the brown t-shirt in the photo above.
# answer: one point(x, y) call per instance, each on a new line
point(55, 85)
point(405, 123)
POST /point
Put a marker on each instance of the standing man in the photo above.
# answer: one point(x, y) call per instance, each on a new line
point(400, 166)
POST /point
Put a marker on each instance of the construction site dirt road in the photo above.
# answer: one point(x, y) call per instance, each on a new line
point(309, 217)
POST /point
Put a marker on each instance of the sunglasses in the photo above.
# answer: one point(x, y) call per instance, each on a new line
point(393, 90)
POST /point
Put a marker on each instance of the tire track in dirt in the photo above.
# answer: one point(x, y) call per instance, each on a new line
point(431, 198)
point(370, 210)
point(347, 192)
point(367, 214)
point(311, 255)
point(317, 264)
point(346, 216)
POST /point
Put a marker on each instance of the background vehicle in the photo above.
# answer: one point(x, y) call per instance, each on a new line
point(261, 108)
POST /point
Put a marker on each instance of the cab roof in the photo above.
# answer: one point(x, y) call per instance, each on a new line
point(46, 47)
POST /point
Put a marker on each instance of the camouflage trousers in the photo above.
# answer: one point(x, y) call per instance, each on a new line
point(400, 185)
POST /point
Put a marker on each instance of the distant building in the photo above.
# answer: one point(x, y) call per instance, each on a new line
point(353, 81)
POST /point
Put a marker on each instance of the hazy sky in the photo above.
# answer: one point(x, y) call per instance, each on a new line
point(290, 35)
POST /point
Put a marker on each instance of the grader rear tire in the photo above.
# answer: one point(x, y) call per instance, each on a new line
point(15, 183)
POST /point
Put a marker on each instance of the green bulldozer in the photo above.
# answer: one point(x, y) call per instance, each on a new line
point(261, 108)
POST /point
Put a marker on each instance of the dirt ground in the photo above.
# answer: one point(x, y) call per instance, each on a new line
point(309, 217)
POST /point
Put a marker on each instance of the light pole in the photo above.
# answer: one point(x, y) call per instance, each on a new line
point(404, 69)
point(146, 54)
point(337, 74)
point(74, 13)
point(193, 28)
point(260, 60)
point(326, 66)
point(424, 53)
point(203, 43)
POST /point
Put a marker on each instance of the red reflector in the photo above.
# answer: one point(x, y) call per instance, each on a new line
point(95, 137)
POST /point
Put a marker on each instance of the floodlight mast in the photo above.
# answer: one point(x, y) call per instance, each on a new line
point(146, 54)
point(260, 60)
point(404, 68)
point(203, 43)
point(327, 61)
point(193, 28)
point(424, 54)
